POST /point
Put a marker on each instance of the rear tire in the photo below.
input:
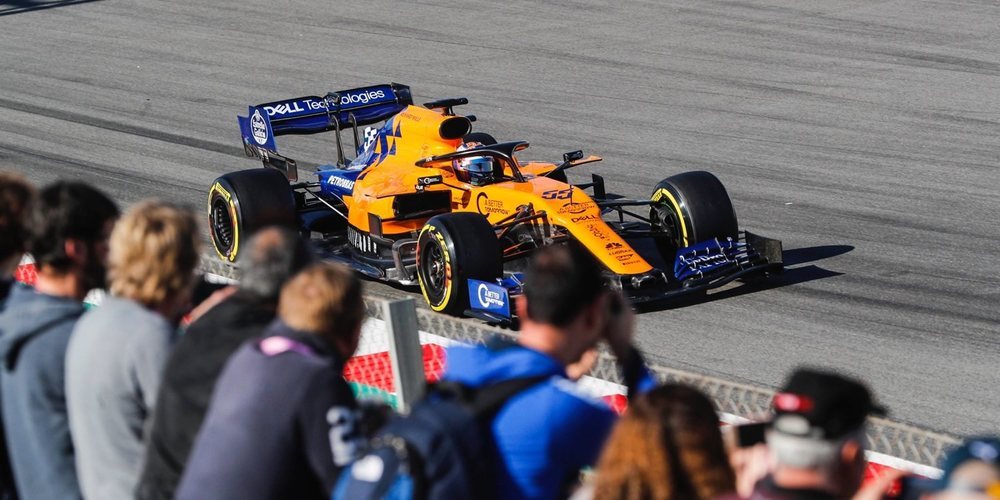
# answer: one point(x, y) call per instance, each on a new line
point(240, 203)
point(691, 207)
point(451, 249)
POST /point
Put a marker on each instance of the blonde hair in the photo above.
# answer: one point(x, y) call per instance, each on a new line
point(667, 446)
point(325, 299)
point(153, 253)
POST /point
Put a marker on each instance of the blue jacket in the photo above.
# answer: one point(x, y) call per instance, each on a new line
point(545, 434)
point(34, 332)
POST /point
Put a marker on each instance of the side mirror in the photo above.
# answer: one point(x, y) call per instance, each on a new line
point(572, 156)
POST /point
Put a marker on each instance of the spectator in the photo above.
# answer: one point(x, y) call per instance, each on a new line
point(816, 439)
point(972, 471)
point(667, 446)
point(15, 197)
point(117, 351)
point(69, 229)
point(749, 460)
point(969, 472)
point(282, 420)
point(273, 256)
point(545, 434)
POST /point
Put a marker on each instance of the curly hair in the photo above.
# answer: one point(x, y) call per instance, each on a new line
point(667, 446)
point(154, 252)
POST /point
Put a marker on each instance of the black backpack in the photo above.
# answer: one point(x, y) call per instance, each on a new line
point(442, 450)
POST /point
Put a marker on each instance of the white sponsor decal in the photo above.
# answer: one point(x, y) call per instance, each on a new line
point(704, 259)
point(371, 135)
point(489, 297)
point(344, 441)
point(284, 108)
point(361, 97)
point(294, 107)
point(258, 128)
point(333, 180)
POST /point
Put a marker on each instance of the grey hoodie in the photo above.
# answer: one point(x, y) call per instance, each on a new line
point(34, 332)
point(113, 368)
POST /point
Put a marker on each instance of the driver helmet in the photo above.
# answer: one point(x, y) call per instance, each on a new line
point(476, 170)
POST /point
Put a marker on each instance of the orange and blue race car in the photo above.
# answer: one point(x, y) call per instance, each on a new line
point(427, 202)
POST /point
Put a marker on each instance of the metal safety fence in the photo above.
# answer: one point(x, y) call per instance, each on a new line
point(399, 353)
point(895, 439)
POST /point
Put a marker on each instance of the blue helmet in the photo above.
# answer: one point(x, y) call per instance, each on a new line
point(476, 170)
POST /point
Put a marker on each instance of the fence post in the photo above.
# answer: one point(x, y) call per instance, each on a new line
point(405, 353)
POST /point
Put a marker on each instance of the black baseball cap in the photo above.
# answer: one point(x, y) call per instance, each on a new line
point(822, 404)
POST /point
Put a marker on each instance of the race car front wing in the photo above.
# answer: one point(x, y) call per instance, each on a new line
point(697, 268)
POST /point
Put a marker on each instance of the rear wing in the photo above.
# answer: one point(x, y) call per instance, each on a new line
point(346, 108)
point(314, 114)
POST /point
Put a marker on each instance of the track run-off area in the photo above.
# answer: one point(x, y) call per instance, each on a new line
point(864, 134)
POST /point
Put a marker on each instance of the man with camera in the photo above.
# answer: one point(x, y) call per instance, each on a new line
point(817, 437)
point(545, 434)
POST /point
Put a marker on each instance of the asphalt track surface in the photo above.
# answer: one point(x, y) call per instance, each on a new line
point(865, 135)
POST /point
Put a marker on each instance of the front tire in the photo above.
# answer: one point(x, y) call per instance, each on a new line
point(240, 203)
point(452, 249)
point(691, 207)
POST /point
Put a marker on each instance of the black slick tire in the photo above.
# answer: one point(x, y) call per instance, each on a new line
point(451, 249)
point(691, 207)
point(240, 203)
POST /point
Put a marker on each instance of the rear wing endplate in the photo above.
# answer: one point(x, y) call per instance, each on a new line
point(258, 142)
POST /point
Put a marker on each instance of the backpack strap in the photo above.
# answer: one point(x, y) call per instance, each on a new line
point(15, 350)
point(487, 400)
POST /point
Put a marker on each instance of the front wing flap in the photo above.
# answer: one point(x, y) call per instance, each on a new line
point(708, 265)
point(697, 268)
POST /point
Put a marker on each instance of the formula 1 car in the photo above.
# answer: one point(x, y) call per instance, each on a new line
point(426, 201)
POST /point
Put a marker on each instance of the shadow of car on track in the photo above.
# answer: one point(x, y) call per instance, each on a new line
point(798, 256)
point(792, 275)
point(8, 8)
